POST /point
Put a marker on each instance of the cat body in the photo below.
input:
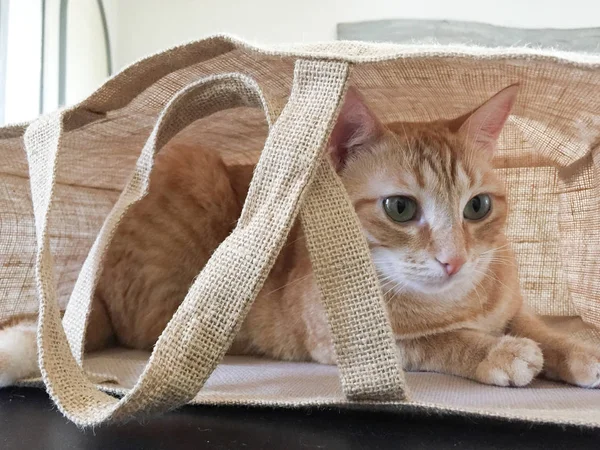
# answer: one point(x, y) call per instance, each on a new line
point(432, 211)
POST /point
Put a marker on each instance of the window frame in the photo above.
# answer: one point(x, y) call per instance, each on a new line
point(3, 51)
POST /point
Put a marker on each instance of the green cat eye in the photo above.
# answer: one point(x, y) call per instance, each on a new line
point(400, 209)
point(478, 207)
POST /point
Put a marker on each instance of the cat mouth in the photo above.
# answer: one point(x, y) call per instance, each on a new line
point(439, 284)
point(424, 281)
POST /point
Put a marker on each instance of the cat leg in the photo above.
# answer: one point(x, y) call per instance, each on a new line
point(18, 344)
point(18, 351)
point(501, 361)
point(99, 333)
point(565, 358)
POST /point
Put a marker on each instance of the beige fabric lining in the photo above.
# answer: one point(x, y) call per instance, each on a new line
point(548, 156)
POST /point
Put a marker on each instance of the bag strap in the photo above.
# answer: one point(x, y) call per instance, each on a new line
point(193, 102)
point(203, 327)
point(366, 351)
point(194, 341)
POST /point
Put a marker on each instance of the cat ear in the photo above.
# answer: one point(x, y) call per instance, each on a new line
point(356, 125)
point(482, 127)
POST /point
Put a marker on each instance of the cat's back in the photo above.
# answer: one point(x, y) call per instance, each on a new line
point(165, 239)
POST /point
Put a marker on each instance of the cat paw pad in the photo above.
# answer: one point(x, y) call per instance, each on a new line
point(511, 362)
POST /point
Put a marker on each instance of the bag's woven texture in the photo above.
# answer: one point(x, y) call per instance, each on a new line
point(343, 268)
point(65, 184)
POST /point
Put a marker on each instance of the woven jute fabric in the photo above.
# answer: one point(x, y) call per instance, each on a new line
point(339, 254)
point(68, 178)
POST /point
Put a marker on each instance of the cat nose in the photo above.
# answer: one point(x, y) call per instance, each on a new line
point(452, 265)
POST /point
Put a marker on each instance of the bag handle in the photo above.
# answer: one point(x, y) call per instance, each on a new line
point(201, 330)
point(367, 355)
point(193, 102)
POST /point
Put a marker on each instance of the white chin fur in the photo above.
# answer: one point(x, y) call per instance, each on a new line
point(453, 289)
point(390, 266)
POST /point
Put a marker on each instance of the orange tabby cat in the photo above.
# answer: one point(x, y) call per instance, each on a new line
point(433, 213)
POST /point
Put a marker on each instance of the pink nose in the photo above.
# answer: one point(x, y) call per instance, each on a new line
point(452, 265)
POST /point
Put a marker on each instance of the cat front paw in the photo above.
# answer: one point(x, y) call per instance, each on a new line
point(577, 364)
point(511, 361)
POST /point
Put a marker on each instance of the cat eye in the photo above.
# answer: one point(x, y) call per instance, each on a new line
point(400, 208)
point(478, 207)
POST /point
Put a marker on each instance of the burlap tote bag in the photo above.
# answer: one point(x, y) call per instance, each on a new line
point(68, 178)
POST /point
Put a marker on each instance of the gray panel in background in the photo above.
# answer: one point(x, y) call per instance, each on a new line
point(408, 31)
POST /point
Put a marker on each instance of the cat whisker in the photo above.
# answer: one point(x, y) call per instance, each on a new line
point(386, 279)
point(500, 258)
point(395, 287)
point(494, 249)
point(294, 241)
point(385, 275)
point(504, 262)
point(297, 280)
point(500, 255)
point(496, 279)
point(385, 285)
point(383, 262)
point(475, 286)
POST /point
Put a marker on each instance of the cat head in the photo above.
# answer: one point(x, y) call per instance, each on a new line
point(430, 205)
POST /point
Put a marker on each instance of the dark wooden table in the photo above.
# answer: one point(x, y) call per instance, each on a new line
point(28, 421)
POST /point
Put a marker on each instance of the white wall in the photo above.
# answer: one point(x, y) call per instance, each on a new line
point(142, 27)
point(51, 51)
point(86, 65)
point(23, 61)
